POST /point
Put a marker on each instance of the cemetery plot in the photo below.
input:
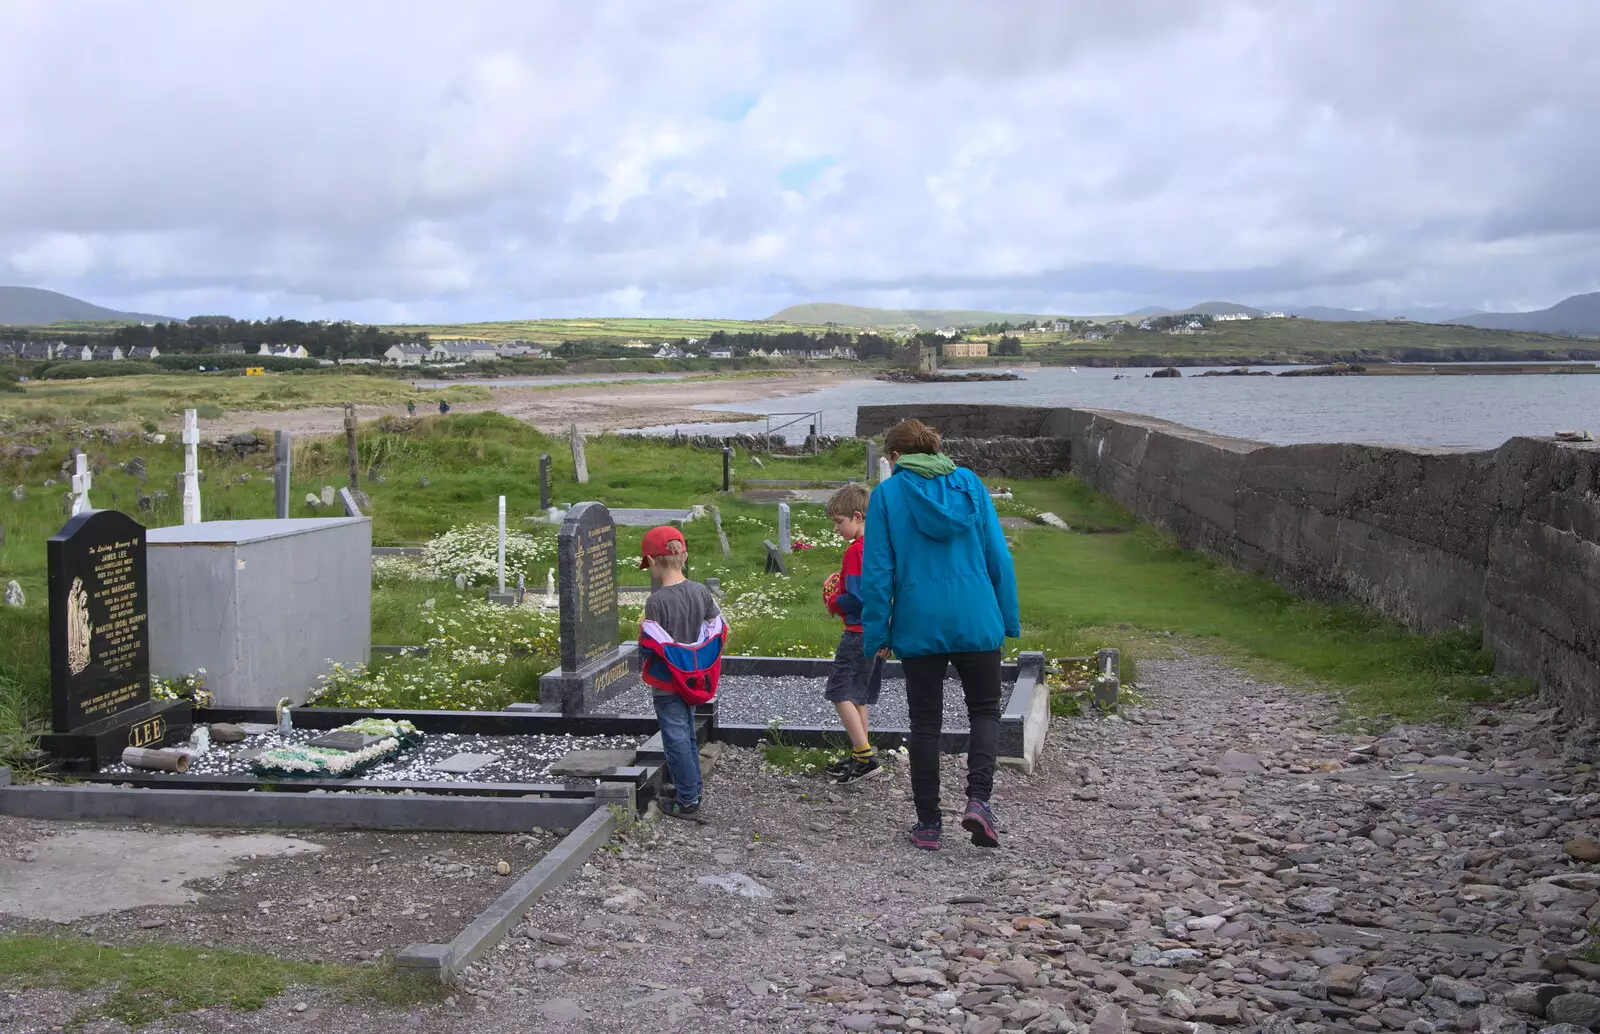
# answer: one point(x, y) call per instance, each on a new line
point(347, 896)
point(796, 700)
point(438, 758)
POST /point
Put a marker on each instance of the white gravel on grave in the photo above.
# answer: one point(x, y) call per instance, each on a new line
point(797, 699)
point(522, 759)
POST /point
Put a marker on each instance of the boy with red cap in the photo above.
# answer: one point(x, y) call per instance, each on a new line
point(681, 641)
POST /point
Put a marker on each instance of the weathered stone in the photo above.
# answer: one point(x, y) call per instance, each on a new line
point(1581, 1009)
point(1532, 999)
point(1237, 762)
point(1109, 1019)
point(226, 732)
point(1582, 849)
point(919, 975)
point(1223, 1012)
point(1342, 979)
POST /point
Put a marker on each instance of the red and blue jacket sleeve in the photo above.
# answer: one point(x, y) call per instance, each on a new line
point(845, 596)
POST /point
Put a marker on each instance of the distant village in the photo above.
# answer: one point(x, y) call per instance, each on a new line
point(951, 342)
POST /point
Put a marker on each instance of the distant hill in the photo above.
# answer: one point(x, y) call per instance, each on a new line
point(1579, 314)
point(923, 319)
point(35, 306)
point(1202, 308)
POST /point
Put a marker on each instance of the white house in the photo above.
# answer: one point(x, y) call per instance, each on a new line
point(144, 352)
point(669, 352)
point(721, 353)
point(406, 355)
point(462, 352)
point(519, 350)
point(285, 351)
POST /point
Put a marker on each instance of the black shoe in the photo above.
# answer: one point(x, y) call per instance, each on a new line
point(860, 771)
point(678, 810)
point(839, 767)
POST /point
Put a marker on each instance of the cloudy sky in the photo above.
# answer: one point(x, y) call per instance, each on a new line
point(406, 160)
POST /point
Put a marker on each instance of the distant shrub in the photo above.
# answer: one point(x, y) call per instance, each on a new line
point(79, 370)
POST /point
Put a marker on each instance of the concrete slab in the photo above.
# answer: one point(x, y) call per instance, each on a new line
point(90, 872)
point(461, 764)
point(590, 764)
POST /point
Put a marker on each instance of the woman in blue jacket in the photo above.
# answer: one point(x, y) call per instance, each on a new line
point(937, 589)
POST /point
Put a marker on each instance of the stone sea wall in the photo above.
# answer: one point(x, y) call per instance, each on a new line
point(1506, 539)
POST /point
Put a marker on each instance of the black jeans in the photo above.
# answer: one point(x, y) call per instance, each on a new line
point(980, 682)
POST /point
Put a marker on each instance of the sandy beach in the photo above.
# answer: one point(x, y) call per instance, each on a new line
point(594, 408)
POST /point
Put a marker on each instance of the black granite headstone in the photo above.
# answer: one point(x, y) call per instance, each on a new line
point(727, 469)
point(100, 643)
point(586, 551)
point(775, 562)
point(544, 481)
point(593, 666)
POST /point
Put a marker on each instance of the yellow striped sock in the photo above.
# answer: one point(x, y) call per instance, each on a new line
point(865, 753)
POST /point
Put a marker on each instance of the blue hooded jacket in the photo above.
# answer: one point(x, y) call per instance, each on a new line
point(937, 575)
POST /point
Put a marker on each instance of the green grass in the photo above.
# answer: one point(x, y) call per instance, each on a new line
point(1300, 341)
point(1129, 587)
point(1079, 586)
point(158, 398)
point(151, 981)
point(555, 331)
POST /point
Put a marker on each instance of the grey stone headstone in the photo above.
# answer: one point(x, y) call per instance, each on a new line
point(775, 561)
point(313, 500)
point(722, 536)
point(281, 450)
point(872, 462)
point(328, 495)
point(785, 540)
point(587, 569)
point(14, 596)
point(544, 481)
point(351, 507)
point(648, 517)
point(19, 493)
point(344, 739)
point(580, 461)
point(461, 764)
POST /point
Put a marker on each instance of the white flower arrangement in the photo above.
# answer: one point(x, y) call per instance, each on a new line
point(322, 761)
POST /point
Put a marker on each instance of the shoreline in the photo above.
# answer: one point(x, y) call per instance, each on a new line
point(595, 407)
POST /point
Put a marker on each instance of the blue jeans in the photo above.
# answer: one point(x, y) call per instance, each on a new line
point(678, 742)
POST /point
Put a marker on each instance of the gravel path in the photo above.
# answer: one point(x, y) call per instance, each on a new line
point(757, 700)
point(1224, 857)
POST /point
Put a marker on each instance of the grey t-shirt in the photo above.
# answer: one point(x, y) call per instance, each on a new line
point(681, 608)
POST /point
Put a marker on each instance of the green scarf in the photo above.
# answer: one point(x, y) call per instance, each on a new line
point(929, 465)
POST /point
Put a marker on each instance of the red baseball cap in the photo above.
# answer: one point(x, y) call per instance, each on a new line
point(658, 542)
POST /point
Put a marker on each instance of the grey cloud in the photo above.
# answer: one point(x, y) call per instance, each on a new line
point(387, 160)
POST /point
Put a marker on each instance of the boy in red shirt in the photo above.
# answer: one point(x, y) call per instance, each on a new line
point(856, 678)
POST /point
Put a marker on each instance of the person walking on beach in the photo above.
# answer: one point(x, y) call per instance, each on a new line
point(938, 589)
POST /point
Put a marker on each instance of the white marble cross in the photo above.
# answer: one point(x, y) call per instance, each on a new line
point(500, 553)
point(191, 473)
point(81, 481)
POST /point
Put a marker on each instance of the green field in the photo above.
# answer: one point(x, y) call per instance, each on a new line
point(154, 399)
point(1300, 341)
point(1130, 587)
point(554, 332)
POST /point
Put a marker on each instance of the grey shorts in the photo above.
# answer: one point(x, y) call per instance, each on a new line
point(855, 678)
